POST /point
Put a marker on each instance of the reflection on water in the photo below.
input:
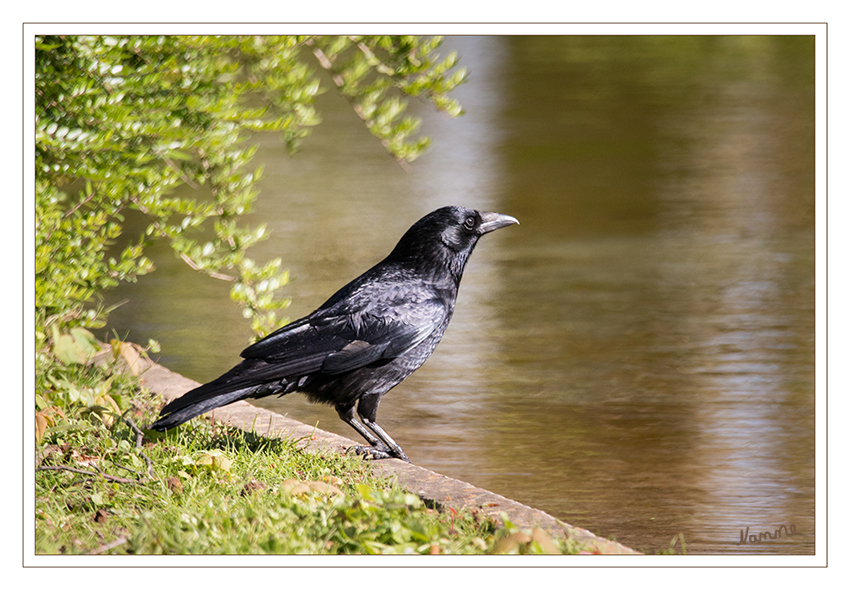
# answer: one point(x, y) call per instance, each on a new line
point(636, 358)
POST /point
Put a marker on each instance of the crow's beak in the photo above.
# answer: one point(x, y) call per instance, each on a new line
point(493, 221)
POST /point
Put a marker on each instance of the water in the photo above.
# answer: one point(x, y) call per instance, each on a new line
point(637, 357)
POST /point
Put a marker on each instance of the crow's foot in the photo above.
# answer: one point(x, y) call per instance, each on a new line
point(377, 452)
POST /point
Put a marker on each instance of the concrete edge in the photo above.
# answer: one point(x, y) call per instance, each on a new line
point(433, 488)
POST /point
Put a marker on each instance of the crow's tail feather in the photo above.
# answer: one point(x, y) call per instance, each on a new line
point(175, 414)
point(251, 378)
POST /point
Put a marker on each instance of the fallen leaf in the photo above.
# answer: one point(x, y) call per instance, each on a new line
point(252, 486)
point(214, 462)
point(76, 347)
point(131, 357)
point(545, 541)
point(510, 543)
point(40, 426)
point(324, 488)
point(295, 487)
point(175, 485)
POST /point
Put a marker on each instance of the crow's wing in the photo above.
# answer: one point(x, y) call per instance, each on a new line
point(333, 341)
point(328, 341)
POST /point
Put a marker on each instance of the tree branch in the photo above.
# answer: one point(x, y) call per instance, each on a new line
point(89, 473)
point(108, 546)
point(327, 64)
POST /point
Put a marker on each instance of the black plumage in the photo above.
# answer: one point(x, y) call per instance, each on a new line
point(364, 340)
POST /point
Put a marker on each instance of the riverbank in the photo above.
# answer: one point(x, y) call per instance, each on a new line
point(435, 489)
point(246, 481)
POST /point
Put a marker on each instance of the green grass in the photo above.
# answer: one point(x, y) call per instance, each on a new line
point(204, 489)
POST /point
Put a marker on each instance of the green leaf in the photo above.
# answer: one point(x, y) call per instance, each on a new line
point(131, 119)
point(365, 491)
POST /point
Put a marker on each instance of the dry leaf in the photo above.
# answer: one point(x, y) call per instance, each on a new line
point(40, 426)
point(130, 355)
point(510, 543)
point(545, 541)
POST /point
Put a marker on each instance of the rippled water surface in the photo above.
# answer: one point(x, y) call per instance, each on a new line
point(637, 357)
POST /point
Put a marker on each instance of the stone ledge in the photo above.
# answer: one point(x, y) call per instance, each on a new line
point(432, 487)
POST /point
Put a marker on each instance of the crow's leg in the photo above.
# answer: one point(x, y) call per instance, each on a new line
point(387, 440)
point(347, 416)
point(382, 446)
point(367, 408)
point(378, 450)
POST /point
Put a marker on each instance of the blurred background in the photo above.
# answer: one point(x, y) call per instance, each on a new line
point(637, 357)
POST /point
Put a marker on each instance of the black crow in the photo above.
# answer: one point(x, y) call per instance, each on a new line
point(364, 340)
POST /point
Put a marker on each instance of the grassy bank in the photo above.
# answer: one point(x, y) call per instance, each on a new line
point(104, 485)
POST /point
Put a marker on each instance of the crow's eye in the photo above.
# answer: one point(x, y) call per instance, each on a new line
point(469, 223)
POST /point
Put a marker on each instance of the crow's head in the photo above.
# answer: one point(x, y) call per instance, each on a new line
point(443, 240)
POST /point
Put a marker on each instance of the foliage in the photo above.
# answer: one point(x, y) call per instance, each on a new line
point(400, 62)
point(103, 488)
point(122, 121)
